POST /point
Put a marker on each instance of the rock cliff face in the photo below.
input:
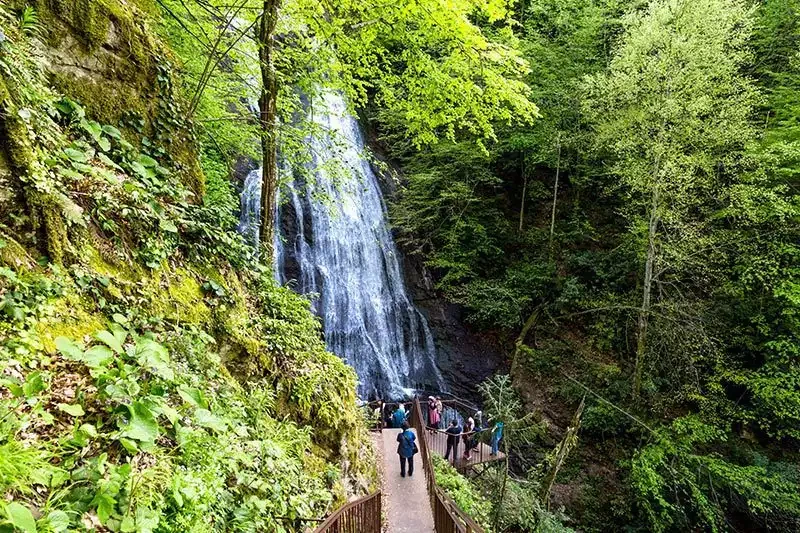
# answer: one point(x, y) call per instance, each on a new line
point(105, 55)
point(466, 357)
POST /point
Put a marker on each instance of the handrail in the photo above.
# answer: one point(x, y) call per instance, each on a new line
point(359, 516)
point(447, 516)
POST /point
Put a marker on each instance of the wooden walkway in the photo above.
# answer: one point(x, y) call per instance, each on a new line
point(405, 500)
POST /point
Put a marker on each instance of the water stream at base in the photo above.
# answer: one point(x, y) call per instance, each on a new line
point(333, 242)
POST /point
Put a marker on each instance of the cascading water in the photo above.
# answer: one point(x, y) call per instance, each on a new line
point(250, 203)
point(332, 239)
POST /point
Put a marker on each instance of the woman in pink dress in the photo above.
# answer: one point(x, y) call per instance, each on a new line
point(434, 414)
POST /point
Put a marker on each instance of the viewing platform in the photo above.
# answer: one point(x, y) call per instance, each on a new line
point(480, 453)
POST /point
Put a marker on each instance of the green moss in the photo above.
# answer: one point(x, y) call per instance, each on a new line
point(68, 318)
point(93, 20)
point(105, 102)
point(13, 255)
point(187, 296)
point(45, 210)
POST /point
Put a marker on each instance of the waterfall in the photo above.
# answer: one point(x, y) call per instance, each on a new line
point(333, 242)
point(250, 203)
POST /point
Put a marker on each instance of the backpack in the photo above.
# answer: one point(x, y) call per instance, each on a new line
point(414, 450)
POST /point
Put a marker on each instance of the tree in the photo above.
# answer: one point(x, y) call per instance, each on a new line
point(268, 103)
point(424, 63)
point(672, 113)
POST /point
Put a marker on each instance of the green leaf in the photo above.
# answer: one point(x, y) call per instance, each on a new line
point(21, 517)
point(89, 430)
point(148, 161)
point(167, 225)
point(69, 348)
point(71, 409)
point(105, 506)
point(143, 425)
point(58, 521)
point(92, 128)
point(104, 144)
point(98, 356)
point(34, 384)
point(129, 445)
point(76, 155)
point(143, 172)
point(14, 388)
point(120, 333)
point(110, 340)
point(155, 357)
point(206, 419)
point(193, 397)
point(68, 107)
point(128, 525)
point(112, 132)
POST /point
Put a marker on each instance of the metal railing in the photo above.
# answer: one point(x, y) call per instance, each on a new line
point(447, 517)
point(360, 516)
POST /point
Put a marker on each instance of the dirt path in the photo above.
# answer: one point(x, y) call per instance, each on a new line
point(405, 500)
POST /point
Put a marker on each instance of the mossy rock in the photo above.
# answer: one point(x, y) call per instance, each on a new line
point(68, 318)
point(13, 255)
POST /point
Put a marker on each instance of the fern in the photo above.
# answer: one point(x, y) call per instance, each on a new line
point(29, 22)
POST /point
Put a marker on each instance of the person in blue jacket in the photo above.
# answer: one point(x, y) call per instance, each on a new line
point(399, 416)
point(406, 448)
point(497, 434)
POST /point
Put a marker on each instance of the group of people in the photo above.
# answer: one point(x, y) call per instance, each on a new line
point(468, 435)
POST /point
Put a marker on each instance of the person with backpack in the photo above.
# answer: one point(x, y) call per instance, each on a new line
point(406, 448)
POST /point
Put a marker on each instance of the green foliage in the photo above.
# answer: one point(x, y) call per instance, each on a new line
point(118, 406)
point(189, 452)
point(522, 510)
point(679, 484)
point(462, 492)
point(672, 127)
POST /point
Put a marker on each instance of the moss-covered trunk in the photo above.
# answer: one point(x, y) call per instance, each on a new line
point(268, 108)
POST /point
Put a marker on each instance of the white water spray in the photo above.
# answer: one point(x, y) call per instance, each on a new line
point(333, 240)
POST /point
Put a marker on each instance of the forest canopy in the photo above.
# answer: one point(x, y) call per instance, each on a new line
point(606, 191)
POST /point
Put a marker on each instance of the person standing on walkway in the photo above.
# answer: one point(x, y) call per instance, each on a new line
point(434, 415)
point(399, 416)
point(406, 448)
point(469, 429)
point(453, 432)
point(497, 434)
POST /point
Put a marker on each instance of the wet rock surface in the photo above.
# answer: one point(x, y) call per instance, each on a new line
point(465, 356)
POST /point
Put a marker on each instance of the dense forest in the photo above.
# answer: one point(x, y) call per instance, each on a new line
point(637, 245)
point(605, 190)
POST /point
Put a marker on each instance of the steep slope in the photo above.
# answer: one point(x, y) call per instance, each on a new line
point(152, 376)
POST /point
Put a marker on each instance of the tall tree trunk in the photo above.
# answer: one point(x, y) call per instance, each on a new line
point(268, 119)
point(498, 504)
point(647, 283)
point(560, 456)
point(524, 193)
point(555, 194)
point(530, 324)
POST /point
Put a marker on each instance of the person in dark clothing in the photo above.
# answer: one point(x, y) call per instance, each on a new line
point(453, 433)
point(406, 450)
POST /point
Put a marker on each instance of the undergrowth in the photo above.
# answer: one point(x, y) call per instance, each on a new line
point(152, 375)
